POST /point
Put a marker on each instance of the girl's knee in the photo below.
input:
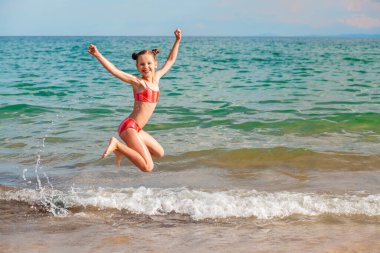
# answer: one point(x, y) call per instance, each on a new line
point(147, 166)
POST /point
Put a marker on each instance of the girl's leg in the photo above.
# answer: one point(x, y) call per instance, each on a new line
point(136, 150)
point(133, 140)
point(154, 147)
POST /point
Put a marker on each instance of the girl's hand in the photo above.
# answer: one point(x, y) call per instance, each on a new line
point(93, 50)
point(177, 34)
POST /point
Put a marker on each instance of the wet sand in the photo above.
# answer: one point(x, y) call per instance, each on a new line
point(27, 228)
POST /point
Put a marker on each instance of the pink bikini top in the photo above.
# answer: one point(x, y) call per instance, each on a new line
point(147, 95)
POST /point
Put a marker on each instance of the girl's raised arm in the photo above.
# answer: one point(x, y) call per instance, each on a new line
point(172, 56)
point(128, 78)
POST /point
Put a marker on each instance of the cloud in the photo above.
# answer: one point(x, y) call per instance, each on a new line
point(362, 21)
point(354, 5)
point(298, 12)
point(362, 5)
point(363, 14)
point(316, 14)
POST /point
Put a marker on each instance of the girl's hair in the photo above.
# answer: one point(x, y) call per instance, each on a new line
point(153, 52)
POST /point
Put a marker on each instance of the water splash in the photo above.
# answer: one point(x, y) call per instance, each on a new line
point(50, 201)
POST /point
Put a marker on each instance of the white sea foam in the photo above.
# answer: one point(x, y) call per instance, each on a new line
point(201, 204)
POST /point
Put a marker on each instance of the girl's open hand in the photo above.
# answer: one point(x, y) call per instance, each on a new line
point(93, 50)
point(177, 34)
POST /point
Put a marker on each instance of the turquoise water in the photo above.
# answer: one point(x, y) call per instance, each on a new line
point(252, 127)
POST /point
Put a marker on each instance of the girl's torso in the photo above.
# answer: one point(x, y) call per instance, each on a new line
point(145, 102)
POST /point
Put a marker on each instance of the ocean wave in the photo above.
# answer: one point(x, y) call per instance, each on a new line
point(198, 204)
point(277, 157)
point(23, 108)
point(314, 121)
point(348, 122)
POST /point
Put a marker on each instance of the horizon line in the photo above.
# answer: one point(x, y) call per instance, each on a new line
point(258, 35)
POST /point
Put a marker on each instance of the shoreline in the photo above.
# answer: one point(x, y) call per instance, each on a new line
point(27, 229)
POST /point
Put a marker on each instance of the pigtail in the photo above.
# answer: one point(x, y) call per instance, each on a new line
point(155, 51)
point(135, 56)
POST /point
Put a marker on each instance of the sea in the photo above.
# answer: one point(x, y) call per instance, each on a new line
point(272, 144)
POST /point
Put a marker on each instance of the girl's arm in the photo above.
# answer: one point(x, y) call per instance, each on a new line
point(172, 56)
point(128, 78)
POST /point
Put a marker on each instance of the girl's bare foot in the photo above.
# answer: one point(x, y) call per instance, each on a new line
point(112, 146)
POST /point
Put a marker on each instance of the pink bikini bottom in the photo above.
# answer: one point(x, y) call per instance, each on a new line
point(129, 123)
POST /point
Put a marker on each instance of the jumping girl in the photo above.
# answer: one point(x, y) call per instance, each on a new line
point(141, 146)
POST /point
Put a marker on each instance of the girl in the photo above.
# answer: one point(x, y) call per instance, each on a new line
point(140, 145)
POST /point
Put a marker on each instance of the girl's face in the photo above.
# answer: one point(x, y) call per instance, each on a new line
point(146, 65)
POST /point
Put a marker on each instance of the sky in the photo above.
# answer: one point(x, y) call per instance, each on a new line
point(195, 18)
